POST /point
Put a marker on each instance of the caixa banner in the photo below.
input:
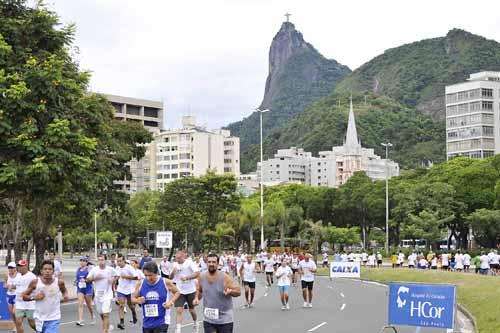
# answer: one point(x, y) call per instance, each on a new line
point(345, 269)
point(422, 305)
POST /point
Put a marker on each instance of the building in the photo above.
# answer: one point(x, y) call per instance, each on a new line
point(150, 115)
point(193, 150)
point(473, 116)
point(331, 168)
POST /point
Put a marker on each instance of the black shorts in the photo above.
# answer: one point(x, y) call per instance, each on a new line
point(165, 275)
point(379, 262)
point(294, 270)
point(217, 328)
point(251, 285)
point(494, 266)
point(188, 298)
point(307, 284)
point(270, 273)
point(159, 329)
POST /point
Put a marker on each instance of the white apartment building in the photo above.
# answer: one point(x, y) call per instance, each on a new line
point(150, 115)
point(331, 168)
point(193, 150)
point(473, 116)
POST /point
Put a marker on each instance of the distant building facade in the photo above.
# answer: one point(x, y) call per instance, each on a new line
point(331, 168)
point(473, 116)
point(149, 114)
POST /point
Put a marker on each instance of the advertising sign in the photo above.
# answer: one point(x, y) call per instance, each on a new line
point(345, 269)
point(422, 305)
point(164, 239)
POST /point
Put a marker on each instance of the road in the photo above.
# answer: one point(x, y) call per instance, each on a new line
point(341, 306)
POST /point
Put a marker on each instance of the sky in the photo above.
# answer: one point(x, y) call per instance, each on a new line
point(209, 58)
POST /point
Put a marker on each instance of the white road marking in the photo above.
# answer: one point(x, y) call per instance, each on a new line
point(69, 303)
point(342, 295)
point(69, 322)
point(330, 287)
point(317, 326)
point(343, 307)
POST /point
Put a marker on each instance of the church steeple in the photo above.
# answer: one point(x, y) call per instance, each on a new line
point(351, 138)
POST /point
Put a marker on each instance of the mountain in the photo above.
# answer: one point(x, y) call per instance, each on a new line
point(298, 76)
point(416, 74)
point(417, 139)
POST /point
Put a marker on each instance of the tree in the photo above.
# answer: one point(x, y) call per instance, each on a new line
point(222, 231)
point(426, 225)
point(486, 226)
point(342, 236)
point(250, 218)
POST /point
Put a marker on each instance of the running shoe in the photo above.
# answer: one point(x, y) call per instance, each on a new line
point(283, 307)
point(79, 323)
point(310, 305)
point(287, 306)
point(305, 305)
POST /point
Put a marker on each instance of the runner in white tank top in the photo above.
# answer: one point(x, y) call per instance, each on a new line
point(45, 292)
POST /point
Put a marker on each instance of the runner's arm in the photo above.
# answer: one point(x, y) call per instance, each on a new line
point(27, 293)
point(199, 290)
point(231, 286)
point(135, 299)
point(172, 288)
point(64, 291)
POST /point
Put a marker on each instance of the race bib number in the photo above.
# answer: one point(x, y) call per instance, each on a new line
point(150, 310)
point(82, 285)
point(99, 293)
point(211, 313)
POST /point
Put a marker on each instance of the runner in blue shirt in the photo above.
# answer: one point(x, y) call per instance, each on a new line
point(145, 258)
point(84, 290)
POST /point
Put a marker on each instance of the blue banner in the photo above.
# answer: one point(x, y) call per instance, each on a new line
point(4, 308)
point(422, 305)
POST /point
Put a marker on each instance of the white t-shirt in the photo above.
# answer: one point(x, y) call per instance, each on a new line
point(126, 286)
point(434, 262)
point(467, 259)
point(268, 264)
point(371, 259)
point(165, 267)
point(102, 287)
point(485, 261)
point(249, 272)
point(187, 268)
point(284, 280)
point(411, 259)
point(423, 263)
point(343, 257)
point(401, 258)
point(139, 274)
point(22, 282)
point(295, 263)
point(444, 259)
point(307, 268)
point(57, 267)
point(494, 258)
point(459, 261)
point(364, 256)
point(11, 283)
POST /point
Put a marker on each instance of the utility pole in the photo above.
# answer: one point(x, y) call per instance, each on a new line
point(387, 145)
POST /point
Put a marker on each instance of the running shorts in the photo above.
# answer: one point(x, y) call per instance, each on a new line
point(307, 284)
point(188, 298)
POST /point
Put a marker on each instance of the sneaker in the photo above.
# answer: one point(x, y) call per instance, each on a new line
point(79, 323)
point(287, 306)
point(283, 307)
point(134, 320)
point(250, 305)
point(305, 305)
point(310, 305)
point(178, 329)
point(121, 326)
point(111, 327)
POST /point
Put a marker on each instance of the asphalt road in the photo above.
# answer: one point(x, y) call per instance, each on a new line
point(341, 306)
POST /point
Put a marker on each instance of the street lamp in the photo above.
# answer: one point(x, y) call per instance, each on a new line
point(261, 183)
point(95, 234)
point(387, 145)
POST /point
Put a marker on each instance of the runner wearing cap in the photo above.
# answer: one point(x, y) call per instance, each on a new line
point(24, 309)
point(10, 285)
point(103, 277)
point(126, 279)
point(45, 292)
point(84, 290)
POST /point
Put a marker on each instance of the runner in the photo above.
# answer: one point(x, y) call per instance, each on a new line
point(127, 278)
point(138, 272)
point(145, 258)
point(165, 267)
point(45, 292)
point(24, 309)
point(10, 285)
point(258, 259)
point(307, 268)
point(102, 277)
point(325, 260)
point(459, 261)
point(156, 295)
point(218, 289)
point(364, 258)
point(467, 259)
point(84, 290)
point(283, 275)
point(269, 269)
point(57, 264)
point(247, 273)
point(112, 262)
point(371, 260)
point(412, 259)
point(445, 261)
point(203, 263)
point(295, 268)
point(379, 260)
point(184, 273)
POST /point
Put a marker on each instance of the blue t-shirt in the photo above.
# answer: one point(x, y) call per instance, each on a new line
point(153, 312)
point(83, 287)
point(144, 260)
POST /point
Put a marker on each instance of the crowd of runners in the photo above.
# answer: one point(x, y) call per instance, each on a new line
point(154, 289)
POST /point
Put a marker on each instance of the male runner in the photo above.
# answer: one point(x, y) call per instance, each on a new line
point(156, 295)
point(295, 267)
point(184, 273)
point(57, 264)
point(145, 258)
point(45, 292)
point(283, 274)
point(127, 278)
point(102, 277)
point(307, 268)
point(84, 290)
point(165, 267)
point(24, 309)
point(10, 285)
point(217, 290)
point(269, 269)
point(247, 273)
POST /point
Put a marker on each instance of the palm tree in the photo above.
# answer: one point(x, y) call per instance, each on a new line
point(249, 218)
point(222, 230)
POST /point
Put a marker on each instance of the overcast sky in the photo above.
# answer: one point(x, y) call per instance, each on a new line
point(209, 58)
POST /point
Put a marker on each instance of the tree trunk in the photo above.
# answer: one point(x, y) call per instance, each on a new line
point(40, 247)
point(8, 257)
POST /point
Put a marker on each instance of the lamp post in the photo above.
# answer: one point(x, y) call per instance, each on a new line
point(95, 234)
point(387, 145)
point(261, 183)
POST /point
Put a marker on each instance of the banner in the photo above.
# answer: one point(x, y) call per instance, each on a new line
point(422, 305)
point(164, 239)
point(340, 269)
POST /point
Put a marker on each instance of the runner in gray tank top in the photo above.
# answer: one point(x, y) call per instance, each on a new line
point(217, 289)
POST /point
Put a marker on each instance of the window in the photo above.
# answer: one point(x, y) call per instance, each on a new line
point(185, 165)
point(486, 92)
point(118, 107)
point(487, 105)
point(174, 166)
point(173, 148)
point(150, 123)
point(185, 174)
point(184, 156)
point(175, 176)
point(134, 110)
point(488, 153)
point(150, 112)
point(159, 176)
point(146, 170)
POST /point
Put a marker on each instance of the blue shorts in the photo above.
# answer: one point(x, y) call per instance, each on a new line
point(85, 291)
point(120, 295)
point(50, 326)
point(11, 299)
point(284, 289)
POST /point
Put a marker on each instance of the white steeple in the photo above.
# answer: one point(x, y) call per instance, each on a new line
point(351, 138)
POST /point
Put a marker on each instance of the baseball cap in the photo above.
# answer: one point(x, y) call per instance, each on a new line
point(11, 264)
point(22, 262)
point(84, 258)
